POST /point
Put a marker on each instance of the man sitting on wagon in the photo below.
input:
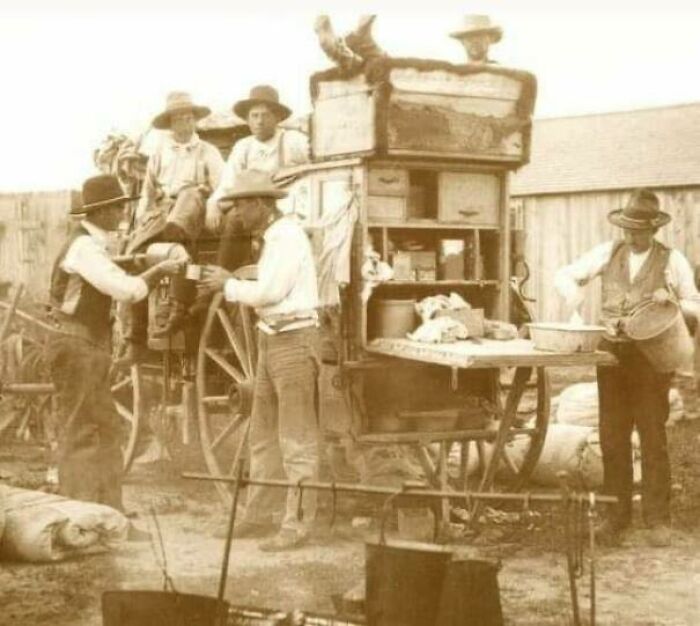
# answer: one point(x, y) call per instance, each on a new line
point(180, 176)
point(268, 149)
point(284, 432)
point(477, 34)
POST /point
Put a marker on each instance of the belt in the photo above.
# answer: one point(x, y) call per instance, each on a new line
point(73, 328)
point(285, 322)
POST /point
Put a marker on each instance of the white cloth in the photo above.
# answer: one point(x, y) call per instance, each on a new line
point(287, 283)
point(285, 148)
point(177, 165)
point(88, 258)
point(570, 280)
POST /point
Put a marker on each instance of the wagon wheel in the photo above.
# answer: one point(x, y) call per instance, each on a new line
point(225, 375)
point(127, 394)
point(532, 433)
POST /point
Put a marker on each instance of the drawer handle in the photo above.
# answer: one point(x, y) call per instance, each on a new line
point(468, 213)
point(388, 181)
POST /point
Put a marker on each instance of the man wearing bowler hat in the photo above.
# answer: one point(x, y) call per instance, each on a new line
point(477, 34)
point(180, 176)
point(632, 394)
point(284, 433)
point(267, 149)
point(84, 282)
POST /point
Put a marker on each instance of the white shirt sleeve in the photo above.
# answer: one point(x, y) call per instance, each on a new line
point(278, 269)
point(570, 280)
point(215, 166)
point(679, 276)
point(91, 262)
point(228, 173)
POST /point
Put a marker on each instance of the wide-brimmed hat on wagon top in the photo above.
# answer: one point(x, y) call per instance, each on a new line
point(178, 102)
point(262, 94)
point(473, 24)
point(640, 213)
point(252, 184)
point(98, 192)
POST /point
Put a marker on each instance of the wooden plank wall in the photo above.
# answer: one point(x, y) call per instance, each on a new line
point(33, 227)
point(561, 227)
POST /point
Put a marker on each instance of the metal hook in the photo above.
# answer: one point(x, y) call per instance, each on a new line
point(334, 502)
point(300, 508)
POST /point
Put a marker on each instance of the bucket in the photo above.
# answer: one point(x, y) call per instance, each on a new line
point(404, 582)
point(660, 332)
point(470, 595)
point(161, 608)
point(392, 318)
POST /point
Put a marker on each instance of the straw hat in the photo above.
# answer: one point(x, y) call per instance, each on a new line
point(99, 192)
point(640, 213)
point(178, 102)
point(251, 184)
point(262, 94)
point(472, 24)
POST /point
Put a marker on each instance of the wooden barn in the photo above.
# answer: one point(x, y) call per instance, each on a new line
point(583, 167)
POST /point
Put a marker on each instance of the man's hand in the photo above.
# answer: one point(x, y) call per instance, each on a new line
point(661, 296)
point(171, 267)
point(213, 279)
point(212, 219)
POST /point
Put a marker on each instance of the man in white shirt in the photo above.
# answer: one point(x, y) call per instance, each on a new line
point(268, 149)
point(84, 282)
point(634, 270)
point(284, 433)
point(477, 34)
point(180, 176)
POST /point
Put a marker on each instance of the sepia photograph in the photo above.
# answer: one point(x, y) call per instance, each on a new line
point(348, 314)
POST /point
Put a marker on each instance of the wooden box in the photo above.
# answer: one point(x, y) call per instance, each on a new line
point(409, 107)
point(469, 198)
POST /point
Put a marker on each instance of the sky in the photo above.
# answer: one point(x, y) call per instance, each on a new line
point(73, 71)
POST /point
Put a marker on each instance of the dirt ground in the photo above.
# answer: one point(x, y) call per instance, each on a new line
point(636, 585)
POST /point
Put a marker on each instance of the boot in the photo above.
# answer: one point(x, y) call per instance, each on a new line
point(176, 321)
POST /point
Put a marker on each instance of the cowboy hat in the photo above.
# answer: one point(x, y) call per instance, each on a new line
point(472, 24)
point(251, 184)
point(640, 213)
point(262, 94)
point(99, 192)
point(178, 102)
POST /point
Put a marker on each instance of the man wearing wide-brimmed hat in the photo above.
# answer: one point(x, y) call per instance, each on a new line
point(635, 270)
point(284, 435)
point(477, 33)
point(180, 176)
point(267, 149)
point(84, 282)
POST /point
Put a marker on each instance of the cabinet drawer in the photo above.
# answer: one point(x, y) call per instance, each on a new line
point(386, 208)
point(469, 198)
point(388, 182)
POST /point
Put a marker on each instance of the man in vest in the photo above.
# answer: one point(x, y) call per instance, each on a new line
point(267, 149)
point(284, 433)
point(634, 270)
point(180, 176)
point(84, 281)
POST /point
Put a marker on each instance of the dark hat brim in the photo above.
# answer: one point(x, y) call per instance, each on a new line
point(495, 31)
point(162, 120)
point(88, 208)
point(617, 218)
point(242, 107)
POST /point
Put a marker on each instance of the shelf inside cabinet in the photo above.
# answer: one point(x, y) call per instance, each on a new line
point(439, 283)
point(429, 225)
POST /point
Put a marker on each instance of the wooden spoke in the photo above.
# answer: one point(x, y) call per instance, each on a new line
point(214, 400)
point(230, 428)
point(125, 382)
point(249, 338)
point(225, 365)
point(233, 340)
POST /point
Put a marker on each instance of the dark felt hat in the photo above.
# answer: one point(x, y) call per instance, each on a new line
point(99, 192)
point(641, 212)
point(262, 94)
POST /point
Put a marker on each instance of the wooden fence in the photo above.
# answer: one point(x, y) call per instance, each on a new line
point(561, 227)
point(33, 228)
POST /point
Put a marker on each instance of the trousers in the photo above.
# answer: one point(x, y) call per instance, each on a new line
point(90, 430)
point(633, 395)
point(284, 429)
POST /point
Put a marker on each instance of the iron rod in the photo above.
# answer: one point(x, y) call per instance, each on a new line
point(409, 489)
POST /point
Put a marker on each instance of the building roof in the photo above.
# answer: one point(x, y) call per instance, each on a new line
point(657, 147)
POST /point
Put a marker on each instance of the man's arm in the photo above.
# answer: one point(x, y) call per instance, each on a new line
point(681, 280)
point(226, 179)
point(570, 279)
point(296, 148)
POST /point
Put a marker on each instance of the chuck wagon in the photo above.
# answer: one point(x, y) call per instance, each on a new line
point(406, 197)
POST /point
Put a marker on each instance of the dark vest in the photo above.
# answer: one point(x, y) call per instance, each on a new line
point(620, 296)
point(75, 301)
